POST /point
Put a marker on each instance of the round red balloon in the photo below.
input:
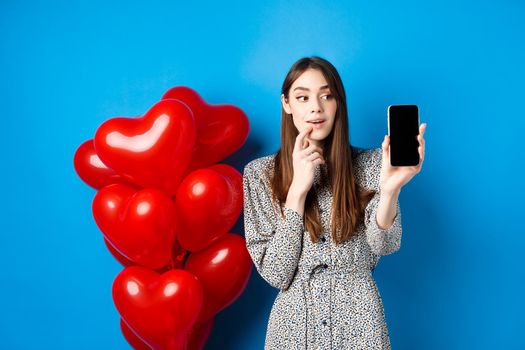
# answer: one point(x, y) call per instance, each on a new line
point(153, 150)
point(160, 309)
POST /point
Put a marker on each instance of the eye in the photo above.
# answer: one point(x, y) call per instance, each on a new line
point(327, 97)
point(300, 97)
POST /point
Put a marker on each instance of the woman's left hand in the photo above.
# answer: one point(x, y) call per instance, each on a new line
point(394, 177)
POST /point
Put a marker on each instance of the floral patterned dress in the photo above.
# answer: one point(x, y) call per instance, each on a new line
point(328, 298)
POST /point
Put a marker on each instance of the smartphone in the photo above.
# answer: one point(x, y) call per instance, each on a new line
point(403, 129)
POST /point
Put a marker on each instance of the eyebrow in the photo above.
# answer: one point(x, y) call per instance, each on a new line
point(306, 89)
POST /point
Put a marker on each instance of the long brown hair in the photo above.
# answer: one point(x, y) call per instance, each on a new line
point(349, 201)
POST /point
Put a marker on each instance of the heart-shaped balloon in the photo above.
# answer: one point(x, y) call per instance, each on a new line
point(91, 169)
point(209, 202)
point(199, 335)
point(196, 339)
point(140, 225)
point(223, 268)
point(235, 180)
point(178, 255)
point(116, 254)
point(133, 339)
point(160, 309)
point(153, 150)
point(221, 129)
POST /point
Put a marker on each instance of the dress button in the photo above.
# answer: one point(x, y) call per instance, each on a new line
point(324, 323)
point(325, 266)
point(323, 239)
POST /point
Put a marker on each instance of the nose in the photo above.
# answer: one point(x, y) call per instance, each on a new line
point(315, 105)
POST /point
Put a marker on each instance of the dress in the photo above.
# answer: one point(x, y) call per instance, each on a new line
point(328, 298)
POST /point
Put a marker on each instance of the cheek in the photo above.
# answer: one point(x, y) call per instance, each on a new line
point(333, 108)
point(299, 111)
point(297, 121)
point(299, 115)
point(332, 113)
point(332, 121)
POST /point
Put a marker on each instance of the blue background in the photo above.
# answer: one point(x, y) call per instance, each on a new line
point(458, 280)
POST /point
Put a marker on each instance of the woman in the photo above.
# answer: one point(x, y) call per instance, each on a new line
point(318, 215)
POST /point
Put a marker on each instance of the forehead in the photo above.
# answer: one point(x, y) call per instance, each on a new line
point(310, 80)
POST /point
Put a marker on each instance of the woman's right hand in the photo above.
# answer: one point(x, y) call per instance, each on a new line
point(306, 158)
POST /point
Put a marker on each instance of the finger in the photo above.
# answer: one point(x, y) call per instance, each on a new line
point(421, 147)
point(313, 148)
point(301, 137)
point(310, 149)
point(386, 142)
point(305, 143)
point(318, 161)
point(385, 148)
point(314, 156)
point(420, 140)
point(421, 150)
point(422, 128)
point(308, 140)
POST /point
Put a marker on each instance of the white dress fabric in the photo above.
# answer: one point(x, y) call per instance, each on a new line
point(328, 298)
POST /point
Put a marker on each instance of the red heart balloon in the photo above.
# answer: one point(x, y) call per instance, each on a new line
point(150, 151)
point(209, 202)
point(199, 335)
point(140, 225)
point(116, 254)
point(235, 181)
point(177, 257)
point(221, 129)
point(91, 169)
point(159, 308)
point(196, 339)
point(133, 339)
point(223, 268)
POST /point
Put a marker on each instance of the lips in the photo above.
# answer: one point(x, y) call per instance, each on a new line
point(316, 121)
point(317, 125)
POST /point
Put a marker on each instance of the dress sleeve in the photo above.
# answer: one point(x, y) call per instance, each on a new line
point(274, 242)
point(382, 242)
point(387, 241)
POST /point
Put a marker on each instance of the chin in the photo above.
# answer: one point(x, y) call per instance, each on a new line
point(318, 135)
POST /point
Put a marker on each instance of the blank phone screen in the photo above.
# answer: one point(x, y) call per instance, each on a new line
point(403, 126)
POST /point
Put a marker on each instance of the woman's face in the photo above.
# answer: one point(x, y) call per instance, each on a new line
point(309, 100)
